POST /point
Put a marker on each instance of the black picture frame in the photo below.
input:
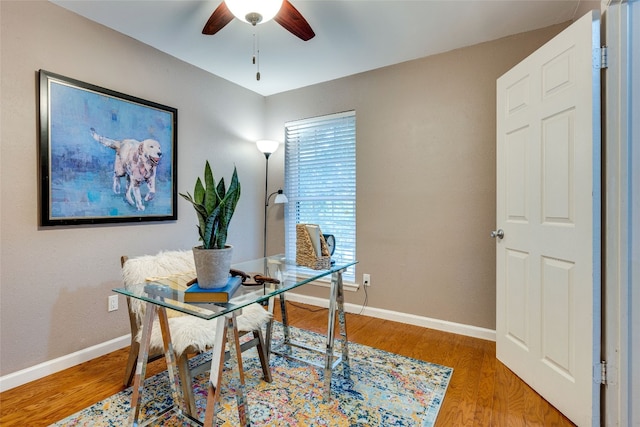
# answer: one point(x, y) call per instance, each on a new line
point(105, 157)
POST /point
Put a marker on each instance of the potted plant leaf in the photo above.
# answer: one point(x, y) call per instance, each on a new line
point(214, 206)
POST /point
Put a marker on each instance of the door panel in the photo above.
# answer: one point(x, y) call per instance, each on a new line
point(557, 162)
point(517, 303)
point(558, 327)
point(548, 204)
point(516, 147)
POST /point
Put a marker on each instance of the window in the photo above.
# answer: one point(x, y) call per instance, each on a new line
point(320, 181)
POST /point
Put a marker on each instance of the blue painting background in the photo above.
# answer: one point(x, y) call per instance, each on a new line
point(81, 169)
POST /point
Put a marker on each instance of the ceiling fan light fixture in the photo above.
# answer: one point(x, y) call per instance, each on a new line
point(254, 11)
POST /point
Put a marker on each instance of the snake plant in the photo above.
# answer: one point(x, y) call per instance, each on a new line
point(214, 205)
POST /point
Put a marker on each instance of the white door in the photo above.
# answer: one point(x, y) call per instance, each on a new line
point(548, 206)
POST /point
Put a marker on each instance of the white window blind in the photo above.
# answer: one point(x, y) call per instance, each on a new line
point(320, 181)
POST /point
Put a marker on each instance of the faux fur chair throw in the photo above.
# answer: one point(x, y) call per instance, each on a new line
point(186, 331)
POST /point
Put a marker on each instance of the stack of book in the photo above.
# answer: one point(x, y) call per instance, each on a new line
point(195, 293)
point(186, 283)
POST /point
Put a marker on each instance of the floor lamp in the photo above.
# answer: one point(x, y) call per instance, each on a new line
point(267, 147)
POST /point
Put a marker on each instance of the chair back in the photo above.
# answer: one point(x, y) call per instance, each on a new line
point(136, 270)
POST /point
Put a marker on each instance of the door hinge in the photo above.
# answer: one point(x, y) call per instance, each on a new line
point(603, 372)
point(601, 57)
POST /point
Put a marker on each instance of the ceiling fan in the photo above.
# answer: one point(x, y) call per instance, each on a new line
point(260, 11)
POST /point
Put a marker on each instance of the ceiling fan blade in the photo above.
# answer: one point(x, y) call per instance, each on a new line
point(218, 19)
point(294, 22)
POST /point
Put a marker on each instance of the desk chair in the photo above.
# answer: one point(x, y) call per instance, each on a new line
point(189, 334)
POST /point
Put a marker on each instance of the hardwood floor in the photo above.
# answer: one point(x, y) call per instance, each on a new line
point(482, 391)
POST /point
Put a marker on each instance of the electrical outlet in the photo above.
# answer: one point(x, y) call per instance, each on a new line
point(366, 279)
point(113, 303)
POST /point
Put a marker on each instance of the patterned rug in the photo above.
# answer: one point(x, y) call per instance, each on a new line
point(385, 390)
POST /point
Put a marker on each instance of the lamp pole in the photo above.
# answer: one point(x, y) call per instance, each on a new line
point(266, 203)
point(266, 147)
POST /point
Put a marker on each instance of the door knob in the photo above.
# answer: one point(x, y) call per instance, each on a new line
point(497, 233)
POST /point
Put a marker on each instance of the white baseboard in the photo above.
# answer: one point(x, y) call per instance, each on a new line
point(411, 319)
point(41, 370)
point(56, 365)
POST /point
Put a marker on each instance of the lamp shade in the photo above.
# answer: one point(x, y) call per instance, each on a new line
point(254, 11)
point(267, 146)
point(280, 198)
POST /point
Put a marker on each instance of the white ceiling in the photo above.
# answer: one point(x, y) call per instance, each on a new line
point(352, 36)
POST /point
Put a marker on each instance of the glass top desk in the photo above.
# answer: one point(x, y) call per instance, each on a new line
point(159, 297)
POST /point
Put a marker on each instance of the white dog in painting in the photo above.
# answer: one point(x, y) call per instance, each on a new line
point(137, 161)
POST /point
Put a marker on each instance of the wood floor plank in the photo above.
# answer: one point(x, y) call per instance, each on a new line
point(472, 359)
point(486, 387)
point(482, 392)
point(463, 387)
point(511, 398)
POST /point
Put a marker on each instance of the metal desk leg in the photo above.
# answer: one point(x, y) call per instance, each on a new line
point(226, 331)
point(235, 358)
point(141, 366)
point(346, 367)
point(151, 311)
point(336, 298)
point(172, 367)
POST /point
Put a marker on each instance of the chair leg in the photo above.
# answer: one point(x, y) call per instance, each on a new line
point(187, 384)
point(262, 353)
point(130, 370)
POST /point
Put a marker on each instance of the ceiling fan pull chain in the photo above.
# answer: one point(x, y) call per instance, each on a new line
point(256, 57)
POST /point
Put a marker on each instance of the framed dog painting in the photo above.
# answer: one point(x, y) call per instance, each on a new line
point(105, 157)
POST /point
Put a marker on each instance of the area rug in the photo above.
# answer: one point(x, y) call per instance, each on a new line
point(385, 389)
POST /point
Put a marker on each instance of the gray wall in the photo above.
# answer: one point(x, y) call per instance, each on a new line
point(426, 174)
point(55, 281)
